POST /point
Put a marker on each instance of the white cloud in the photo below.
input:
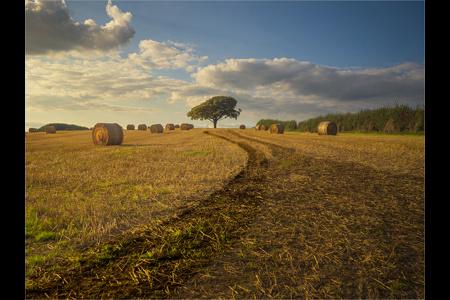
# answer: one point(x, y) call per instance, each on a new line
point(77, 66)
point(75, 79)
point(193, 94)
point(307, 80)
point(49, 29)
point(279, 88)
point(165, 55)
point(70, 83)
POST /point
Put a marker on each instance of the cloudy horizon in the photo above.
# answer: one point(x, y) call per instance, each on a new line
point(82, 72)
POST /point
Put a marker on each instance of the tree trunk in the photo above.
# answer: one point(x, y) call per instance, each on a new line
point(215, 123)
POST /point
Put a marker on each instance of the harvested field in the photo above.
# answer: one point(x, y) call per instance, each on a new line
point(307, 217)
point(77, 194)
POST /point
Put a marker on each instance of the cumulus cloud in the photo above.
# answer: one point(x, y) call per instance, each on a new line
point(265, 88)
point(291, 89)
point(49, 29)
point(165, 55)
point(97, 84)
point(311, 81)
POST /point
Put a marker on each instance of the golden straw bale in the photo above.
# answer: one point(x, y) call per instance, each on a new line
point(170, 126)
point(177, 126)
point(142, 127)
point(263, 127)
point(50, 129)
point(257, 127)
point(327, 128)
point(156, 128)
point(191, 126)
point(242, 127)
point(276, 128)
point(107, 134)
point(130, 127)
point(32, 129)
point(185, 126)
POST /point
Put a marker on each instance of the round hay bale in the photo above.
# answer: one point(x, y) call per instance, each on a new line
point(50, 129)
point(156, 128)
point(257, 127)
point(327, 128)
point(185, 126)
point(263, 127)
point(242, 127)
point(130, 127)
point(142, 127)
point(32, 129)
point(276, 128)
point(106, 134)
point(191, 126)
point(177, 126)
point(170, 126)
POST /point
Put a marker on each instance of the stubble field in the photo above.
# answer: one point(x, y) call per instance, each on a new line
point(225, 213)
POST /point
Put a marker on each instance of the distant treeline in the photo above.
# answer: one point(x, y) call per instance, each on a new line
point(288, 125)
point(63, 126)
point(397, 118)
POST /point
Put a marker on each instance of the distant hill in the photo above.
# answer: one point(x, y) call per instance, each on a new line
point(63, 126)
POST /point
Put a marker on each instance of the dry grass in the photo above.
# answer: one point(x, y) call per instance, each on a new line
point(79, 193)
point(326, 228)
point(309, 217)
point(398, 154)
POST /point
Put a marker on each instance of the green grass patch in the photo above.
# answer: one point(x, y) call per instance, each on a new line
point(193, 153)
point(46, 236)
point(38, 228)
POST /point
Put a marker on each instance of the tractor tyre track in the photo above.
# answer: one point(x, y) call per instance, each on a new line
point(151, 261)
point(326, 229)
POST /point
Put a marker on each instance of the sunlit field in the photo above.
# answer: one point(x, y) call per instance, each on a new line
point(225, 213)
point(77, 193)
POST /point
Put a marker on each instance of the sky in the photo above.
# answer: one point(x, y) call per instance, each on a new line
point(134, 62)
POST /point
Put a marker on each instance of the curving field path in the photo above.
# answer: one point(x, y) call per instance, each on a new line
point(293, 223)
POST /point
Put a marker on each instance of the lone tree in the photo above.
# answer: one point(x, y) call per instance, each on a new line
point(215, 109)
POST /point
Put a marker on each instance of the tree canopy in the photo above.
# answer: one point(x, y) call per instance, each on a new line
point(215, 109)
point(63, 126)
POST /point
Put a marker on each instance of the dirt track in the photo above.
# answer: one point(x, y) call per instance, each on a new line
point(288, 226)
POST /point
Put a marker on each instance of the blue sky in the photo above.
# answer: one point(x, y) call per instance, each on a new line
point(151, 61)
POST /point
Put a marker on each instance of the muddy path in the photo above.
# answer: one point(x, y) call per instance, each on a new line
point(150, 262)
point(288, 226)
